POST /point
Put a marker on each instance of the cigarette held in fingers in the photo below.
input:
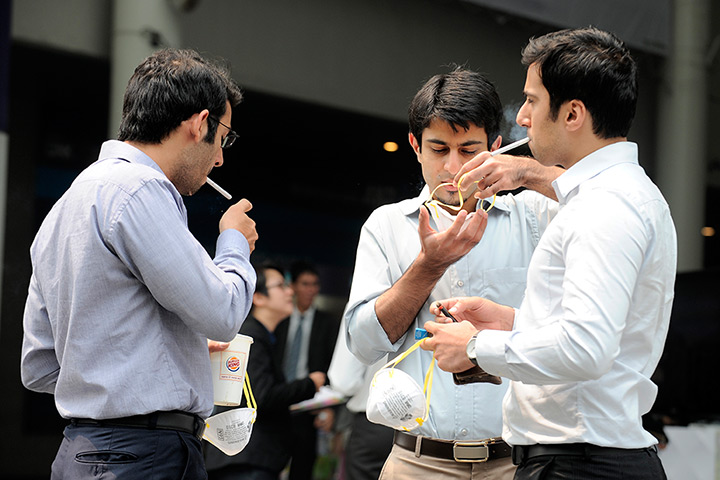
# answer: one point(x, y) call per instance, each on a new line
point(220, 190)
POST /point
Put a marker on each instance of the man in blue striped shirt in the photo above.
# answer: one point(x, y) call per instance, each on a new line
point(123, 298)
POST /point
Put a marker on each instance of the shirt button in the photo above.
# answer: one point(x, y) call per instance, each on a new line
point(464, 432)
point(460, 283)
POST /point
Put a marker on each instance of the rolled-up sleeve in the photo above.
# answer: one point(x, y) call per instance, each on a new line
point(374, 273)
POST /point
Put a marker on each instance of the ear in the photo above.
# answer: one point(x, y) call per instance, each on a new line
point(414, 144)
point(259, 299)
point(198, 125)
point(496, 144)
point(575, 115)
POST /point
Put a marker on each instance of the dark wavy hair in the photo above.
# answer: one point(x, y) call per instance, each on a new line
point(461, 98)
point(169, 87)
point(590, 65)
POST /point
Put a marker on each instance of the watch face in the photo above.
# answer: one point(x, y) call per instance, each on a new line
point(470, 349)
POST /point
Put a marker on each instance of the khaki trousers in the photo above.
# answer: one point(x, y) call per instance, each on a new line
point(404, 465)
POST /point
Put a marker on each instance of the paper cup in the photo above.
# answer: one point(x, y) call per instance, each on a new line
point(228, 370)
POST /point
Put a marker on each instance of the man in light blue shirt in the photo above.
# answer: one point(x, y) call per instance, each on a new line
point(123, 298)
point(406, 260)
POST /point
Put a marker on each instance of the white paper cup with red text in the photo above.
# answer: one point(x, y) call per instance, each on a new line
point(228, 370)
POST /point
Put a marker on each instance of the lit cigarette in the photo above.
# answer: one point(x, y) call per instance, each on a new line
point(504, 149)
point(220, 190)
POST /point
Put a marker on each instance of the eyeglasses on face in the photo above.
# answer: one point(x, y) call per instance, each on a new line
point(228, 139)
point(282, 285)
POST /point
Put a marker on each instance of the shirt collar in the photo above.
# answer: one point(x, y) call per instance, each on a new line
point(591, 165)
point(412, 206)
point(125, 151)
point(308, 313)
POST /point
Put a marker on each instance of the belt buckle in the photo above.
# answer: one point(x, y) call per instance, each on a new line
point(471, 452)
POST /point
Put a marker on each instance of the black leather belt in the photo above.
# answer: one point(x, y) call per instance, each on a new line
point(520, 453)
point(478, 451)
point(179, 421)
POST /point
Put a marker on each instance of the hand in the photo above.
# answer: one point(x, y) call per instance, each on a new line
point(318, 379)
point(448, 343)
point(324, 419)
point(442, 249)
point(236, 217)
point(482, 313)
point(494, 174)
point(214, 346)
point(501, 173)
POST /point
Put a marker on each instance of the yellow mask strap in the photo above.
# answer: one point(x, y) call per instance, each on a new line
point(402, 356)
point(427, 385)
point(434, 203)
point(249, 395)
point(427, 390)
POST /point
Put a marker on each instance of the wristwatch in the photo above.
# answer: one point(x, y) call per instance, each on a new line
point(470, 349)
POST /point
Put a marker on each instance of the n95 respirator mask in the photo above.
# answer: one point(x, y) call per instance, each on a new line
point(395, 399)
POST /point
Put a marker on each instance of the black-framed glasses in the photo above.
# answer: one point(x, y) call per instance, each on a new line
point(228, 139)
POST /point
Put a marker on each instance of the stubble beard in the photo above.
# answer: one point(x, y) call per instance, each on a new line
point(187, 176)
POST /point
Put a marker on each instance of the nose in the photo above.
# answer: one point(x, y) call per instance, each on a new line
point(453, 162)
point(522, 118)
point(219, 160)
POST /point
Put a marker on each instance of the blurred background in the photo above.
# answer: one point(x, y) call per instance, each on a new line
point(323, 141)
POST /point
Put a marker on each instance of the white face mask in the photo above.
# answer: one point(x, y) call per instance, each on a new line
point(395, 399)
point(230, 431)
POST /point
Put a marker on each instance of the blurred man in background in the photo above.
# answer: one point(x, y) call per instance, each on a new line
point(306, 341)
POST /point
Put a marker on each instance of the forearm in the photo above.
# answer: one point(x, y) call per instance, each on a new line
point(397, 308)
point(539, 178)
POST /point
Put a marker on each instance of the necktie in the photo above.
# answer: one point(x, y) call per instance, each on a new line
point(293, 355)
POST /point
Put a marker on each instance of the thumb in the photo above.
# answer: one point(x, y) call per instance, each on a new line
point(424, 228)
point(245, 205)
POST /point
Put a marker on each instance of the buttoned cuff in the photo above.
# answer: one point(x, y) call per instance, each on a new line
point(490, 351)
point(232, 239)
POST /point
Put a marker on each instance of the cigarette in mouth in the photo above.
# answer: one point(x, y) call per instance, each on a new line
point(220, 190)
point(507, 147)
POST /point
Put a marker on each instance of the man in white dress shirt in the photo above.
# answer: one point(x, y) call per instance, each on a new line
point(582, 347)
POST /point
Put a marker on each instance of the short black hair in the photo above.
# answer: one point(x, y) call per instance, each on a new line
point(461, 98)
point(590, 65)
point(299, 267)
point(169, 87)
point(261, 272)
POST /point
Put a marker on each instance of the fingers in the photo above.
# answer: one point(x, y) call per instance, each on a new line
point(424, 228)
point(475, 226)
point(470, 170)
point(457, 224)
point(448, 303)
point(214, 346)
point(244, 204)
point(460, 306)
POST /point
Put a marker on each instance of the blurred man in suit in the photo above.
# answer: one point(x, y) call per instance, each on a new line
point(306, 343)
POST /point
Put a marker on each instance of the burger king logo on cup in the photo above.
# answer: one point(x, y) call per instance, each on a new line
point(233, 364)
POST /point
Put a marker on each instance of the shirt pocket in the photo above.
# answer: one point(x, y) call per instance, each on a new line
point(504, 285)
